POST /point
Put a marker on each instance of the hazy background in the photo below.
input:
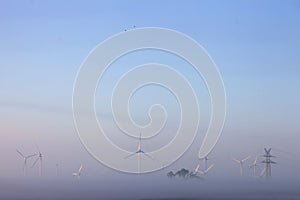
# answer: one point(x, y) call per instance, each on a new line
point(255, 45)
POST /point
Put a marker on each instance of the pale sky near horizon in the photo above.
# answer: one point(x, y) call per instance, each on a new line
point(255, 45)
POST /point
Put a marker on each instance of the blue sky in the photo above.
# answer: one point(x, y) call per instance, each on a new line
point(255, 45)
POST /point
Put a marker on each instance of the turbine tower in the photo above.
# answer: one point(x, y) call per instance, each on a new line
point(268, 162)
point(139, 152)
point(25, 158)
point(241, 163)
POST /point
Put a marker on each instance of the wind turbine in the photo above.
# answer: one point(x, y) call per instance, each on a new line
point(203, 172)
point(139, 152)
point(57, 169)
point(25, 158)
point(78, 173)
point(241, 162)
point(254, 166)
point(205, 159)
point(40, 158)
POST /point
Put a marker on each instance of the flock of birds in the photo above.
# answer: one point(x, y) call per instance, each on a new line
point(133, 27)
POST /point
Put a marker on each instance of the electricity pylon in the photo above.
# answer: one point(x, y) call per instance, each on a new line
point(267, 170)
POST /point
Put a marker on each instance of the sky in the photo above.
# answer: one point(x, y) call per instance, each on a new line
point(255, 45)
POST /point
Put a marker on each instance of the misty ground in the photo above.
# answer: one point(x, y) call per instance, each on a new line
point(147, 188)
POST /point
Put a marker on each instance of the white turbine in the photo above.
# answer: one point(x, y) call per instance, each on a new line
point(241, 162)
point(139, 152)
point(254, 166)
point(205, 159)
point(78, 173)
point(40, 158)
point(203, 172)
point(25, 158)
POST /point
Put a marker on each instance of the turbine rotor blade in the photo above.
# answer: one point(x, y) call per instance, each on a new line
point(256, 159)
point(35, 162)
point(31, 155)
point(130, 155)
point(197, 168)
point(210, 167)
point(246, 158)
point(19, 152)
point(201, 172)
point(148, 155)
point(263, 172)
point(236, 160)
point(79, 171)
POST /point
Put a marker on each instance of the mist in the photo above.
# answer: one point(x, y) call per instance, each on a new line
point(255, 46)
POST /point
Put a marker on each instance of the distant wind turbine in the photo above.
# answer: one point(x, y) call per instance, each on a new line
point(57, 169)
point(40, 158)
point(78, 173)
point(241, 162)
point(254, 166)
point(139, 152)
point(205, 160)
point(25, 158)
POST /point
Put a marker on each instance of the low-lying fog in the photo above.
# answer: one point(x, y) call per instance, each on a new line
point(148, 187)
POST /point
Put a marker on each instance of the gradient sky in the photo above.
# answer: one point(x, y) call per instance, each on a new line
point(255, 45)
